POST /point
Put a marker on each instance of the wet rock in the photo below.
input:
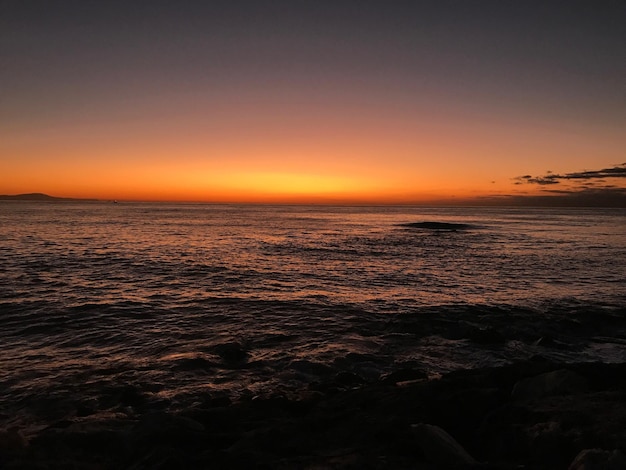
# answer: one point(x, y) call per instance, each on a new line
point(264, 438)
point(216, 421)
point(329, 426)
point(404, 375)
point(439, 447)
point(217, 399)
point(598, 459)
point(558, 382)
point(132, 396)
point(501, 434)
point(125, 395)
point(95, 441)
point(551, 342)
point(603, 376)
point(486, 336)
point(348, 379)
point(325, 388)
point(86, 409)
point(163, 459)
point(461, 410)
point(220, 401)
point(549, 445)
point(160, 429)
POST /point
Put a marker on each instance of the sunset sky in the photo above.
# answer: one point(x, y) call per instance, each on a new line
point(312, 101)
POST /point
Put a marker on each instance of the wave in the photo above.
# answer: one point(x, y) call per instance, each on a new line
point(433, 225)
point(258, 346)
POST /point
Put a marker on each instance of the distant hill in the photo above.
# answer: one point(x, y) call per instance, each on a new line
point(37, 197)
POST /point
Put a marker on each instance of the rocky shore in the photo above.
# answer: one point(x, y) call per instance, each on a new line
point(535, 414)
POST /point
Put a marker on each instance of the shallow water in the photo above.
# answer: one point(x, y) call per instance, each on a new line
point(178, 300)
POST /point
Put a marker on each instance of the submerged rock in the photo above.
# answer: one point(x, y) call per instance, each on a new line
point(558, 382)
point(429, 225)
point(404, 375)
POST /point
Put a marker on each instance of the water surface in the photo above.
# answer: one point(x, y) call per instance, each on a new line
point(178, 300)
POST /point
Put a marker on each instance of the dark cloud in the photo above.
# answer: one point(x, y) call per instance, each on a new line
point(588, 188)
point(541, 180)
point(591, 176)
point(615, 172)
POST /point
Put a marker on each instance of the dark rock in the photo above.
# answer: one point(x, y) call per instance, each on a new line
point(598, 459)
point(160, 429)
point(549, 445)
point(439, 447)
point(430, 225)
point(348, 379)
point(310, 368)
point(404, 375)
point(213, 400)
point(603, 376)
point(85, 409)
point(62, 424)
point(220, 401)
point(558, 382)
point(97, 441)
point(486, 336)
point(550, 342)
point(502, 436)
point(555, 412)
point(11, 440)
point(460, 410)
point(215, 420)
point(163, 459)
point(130, 395)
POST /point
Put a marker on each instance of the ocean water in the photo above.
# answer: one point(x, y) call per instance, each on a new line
point(180, 301)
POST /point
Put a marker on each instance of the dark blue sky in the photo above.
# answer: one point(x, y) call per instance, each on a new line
point(566, 54)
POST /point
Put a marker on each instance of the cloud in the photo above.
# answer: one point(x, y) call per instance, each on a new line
point(589, 176)
point(588, 188)
point(541, 180)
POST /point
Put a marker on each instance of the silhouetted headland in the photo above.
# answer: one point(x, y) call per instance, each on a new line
point(39, 197)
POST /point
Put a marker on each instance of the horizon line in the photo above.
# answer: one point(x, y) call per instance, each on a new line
point(572, 200)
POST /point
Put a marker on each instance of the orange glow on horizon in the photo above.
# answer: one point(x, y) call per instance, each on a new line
point(334, 155)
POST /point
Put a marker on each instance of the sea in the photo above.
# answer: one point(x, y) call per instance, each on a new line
point(173, 303)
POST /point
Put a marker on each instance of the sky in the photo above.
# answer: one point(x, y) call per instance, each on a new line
point(363, 101)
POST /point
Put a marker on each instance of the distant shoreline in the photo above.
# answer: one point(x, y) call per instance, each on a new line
point(544, 202)
point(40, 197)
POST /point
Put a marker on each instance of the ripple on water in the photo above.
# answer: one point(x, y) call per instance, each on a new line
point(174, 304)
